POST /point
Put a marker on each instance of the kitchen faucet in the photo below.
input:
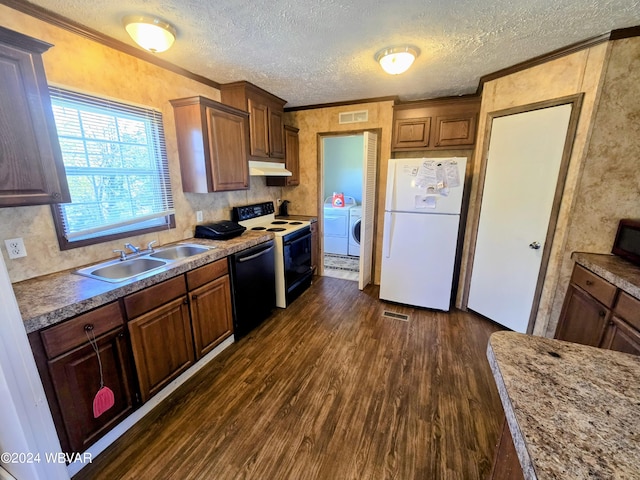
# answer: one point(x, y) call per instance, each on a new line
point(132, 248)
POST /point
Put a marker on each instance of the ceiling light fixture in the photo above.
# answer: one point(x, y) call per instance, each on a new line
point(150, 33)
point(397, 60)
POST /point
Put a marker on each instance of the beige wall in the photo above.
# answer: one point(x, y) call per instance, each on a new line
point(81, 64)
point(609, 187)
point(576, 73)
point(305, 197)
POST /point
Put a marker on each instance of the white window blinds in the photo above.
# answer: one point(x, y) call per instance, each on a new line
point(116, 165)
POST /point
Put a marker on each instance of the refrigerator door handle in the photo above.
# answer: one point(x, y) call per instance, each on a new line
point(391, 179)
point(387, 234)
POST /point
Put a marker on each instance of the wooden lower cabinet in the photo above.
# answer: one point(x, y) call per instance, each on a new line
point(161, 344)
point(76, 377)
point(621, 337)
point(506, 465)
point(70, 373)
point(597, 313)
point(211, 314)
point(583, 319)
point(165, 322)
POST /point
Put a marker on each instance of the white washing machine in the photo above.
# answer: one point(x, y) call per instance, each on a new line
point(355, 215)
point(336, 226)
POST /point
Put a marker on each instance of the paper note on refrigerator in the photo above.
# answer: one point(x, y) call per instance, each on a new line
point(426, 201)
point(427, 177)
point(452, 174)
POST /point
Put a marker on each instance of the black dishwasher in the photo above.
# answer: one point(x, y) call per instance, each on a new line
point(253, 286)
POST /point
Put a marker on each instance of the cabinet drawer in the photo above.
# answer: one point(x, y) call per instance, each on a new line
point(207, 273)
point(597, 287)
point(70, 334)
point(145, 300)
point(628, 308)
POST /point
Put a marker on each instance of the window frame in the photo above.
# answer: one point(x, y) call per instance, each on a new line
point(56, 209)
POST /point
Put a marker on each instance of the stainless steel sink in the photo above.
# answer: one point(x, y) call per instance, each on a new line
point(178, 252)
point(118, 271)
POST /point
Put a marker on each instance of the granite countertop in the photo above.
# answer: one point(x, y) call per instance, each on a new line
point(573, 410)
point(50, 299)
point(618, 271)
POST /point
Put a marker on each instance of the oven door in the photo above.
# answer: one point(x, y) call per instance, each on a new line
point(297, 262)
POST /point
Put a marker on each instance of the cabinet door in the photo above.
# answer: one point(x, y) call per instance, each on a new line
point(76, 380)
point(258, 129)
point(455, 131)
point(276, 134)
point(32, 168)
point(162, 345)
point(211, 314)
point(228, 151)
point(621, 337)
point(291, 160)
point(411, 133)
point(583, 319)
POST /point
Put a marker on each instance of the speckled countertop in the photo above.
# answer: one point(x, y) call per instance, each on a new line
point(573, 410)
point(50, 299)
point(623, 274)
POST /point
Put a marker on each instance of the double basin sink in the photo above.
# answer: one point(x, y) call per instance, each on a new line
point(120, 270)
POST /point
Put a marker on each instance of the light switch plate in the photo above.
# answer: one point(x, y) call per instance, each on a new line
point(199, 216)
point(15, 248)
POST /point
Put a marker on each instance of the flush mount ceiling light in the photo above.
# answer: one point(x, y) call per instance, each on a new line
point(150, 33)
point(397, 60)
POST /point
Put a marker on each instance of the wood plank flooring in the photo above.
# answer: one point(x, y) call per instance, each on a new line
point(328, 389)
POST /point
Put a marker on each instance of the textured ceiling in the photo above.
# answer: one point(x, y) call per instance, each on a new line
point(312, 52)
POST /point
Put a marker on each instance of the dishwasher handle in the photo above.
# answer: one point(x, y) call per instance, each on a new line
point(255, 255)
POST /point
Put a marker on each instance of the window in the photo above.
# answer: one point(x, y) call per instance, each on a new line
point(116, 164)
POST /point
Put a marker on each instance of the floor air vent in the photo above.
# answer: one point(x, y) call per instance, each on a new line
point(396, 316)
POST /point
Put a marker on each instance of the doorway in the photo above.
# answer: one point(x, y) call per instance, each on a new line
point(347, 185)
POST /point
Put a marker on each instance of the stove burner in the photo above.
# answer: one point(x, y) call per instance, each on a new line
point(279, 222)
point(276, 229)
point(295, 223)
point(258, 228)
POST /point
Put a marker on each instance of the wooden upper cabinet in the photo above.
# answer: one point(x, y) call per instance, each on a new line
point(435, 124)
point(213, 145)
point(276, 133)
point(412, 132)
point(266, 113)
point(30, 158)
point(291, 160)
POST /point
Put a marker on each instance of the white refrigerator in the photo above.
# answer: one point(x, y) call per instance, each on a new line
point(421, 221)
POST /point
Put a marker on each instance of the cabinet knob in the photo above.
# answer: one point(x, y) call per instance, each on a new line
point(589, 282)
point(88, 327)
point(56, 195)
point(602, 313)
point(185, 301)
point(194, 297)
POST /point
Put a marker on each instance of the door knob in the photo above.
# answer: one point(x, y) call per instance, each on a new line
point(534, 245)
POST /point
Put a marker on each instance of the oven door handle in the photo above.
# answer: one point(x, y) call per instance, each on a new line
point(256, 255)
point(297, 239)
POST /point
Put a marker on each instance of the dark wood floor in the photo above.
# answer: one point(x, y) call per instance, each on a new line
point(328, 389)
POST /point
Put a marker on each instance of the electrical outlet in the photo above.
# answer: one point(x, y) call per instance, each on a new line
point(15, 247)
point(278, 202)
point(199, 216)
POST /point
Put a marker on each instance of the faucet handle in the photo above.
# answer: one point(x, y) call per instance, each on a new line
point(150, 245)
point(123, 254)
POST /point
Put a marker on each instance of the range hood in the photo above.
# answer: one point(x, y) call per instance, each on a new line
point(269, 169)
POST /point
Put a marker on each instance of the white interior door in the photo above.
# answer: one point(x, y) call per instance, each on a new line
point(525, 154)
point(368, 207)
